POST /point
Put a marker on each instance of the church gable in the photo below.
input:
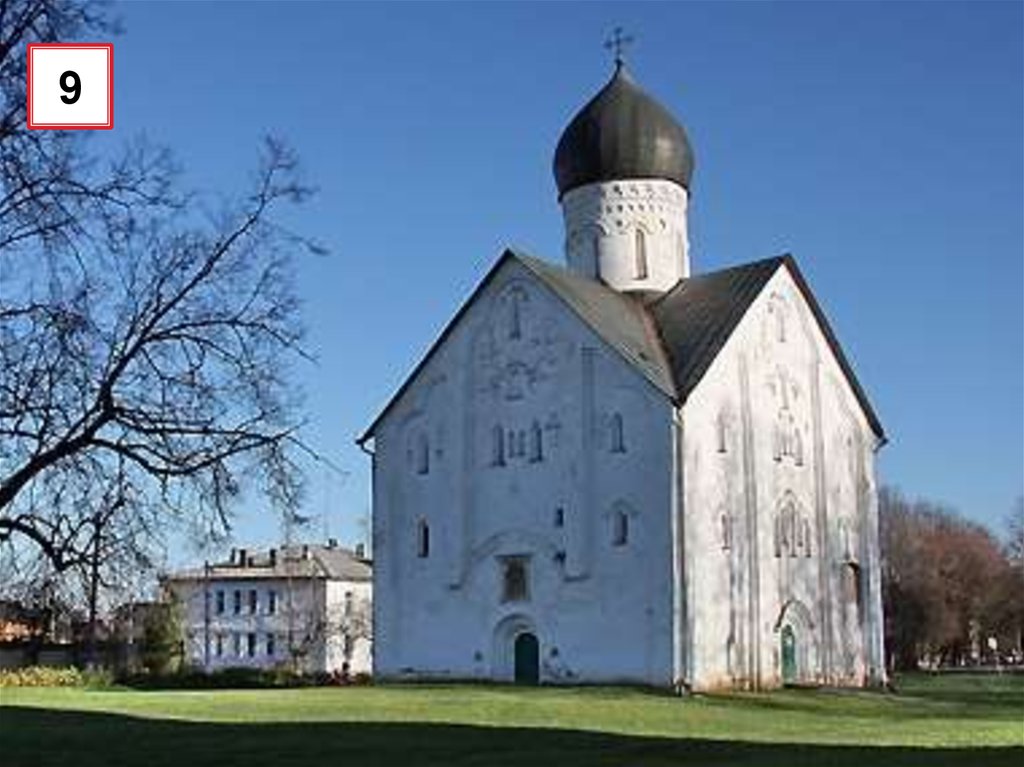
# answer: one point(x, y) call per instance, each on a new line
point(619, 321)
point(701, 314)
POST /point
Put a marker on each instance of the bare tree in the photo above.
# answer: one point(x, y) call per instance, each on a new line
point(145, 339)
point(944, 582)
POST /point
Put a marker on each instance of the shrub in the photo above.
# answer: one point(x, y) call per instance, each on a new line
point(42, 676)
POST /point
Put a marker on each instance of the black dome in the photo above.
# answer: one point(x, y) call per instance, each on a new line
point(622, 133)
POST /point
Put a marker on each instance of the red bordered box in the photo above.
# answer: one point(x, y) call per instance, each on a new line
point(93, 64)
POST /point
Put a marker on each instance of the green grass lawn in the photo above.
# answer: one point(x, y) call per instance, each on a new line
point(968, 720)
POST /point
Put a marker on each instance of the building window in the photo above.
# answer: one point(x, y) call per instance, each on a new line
point(726, 532)
point(515, 329)
point(722, 429)
point(348, 603)
point(851, 586)
point(250, 645)
point(641, 254)
point(422, 454)
point(220, 602)
point(236, 640)
point(618, 441)
point(536, 443)
point(270, 645)
point(219, 645)
point(559, 517)
point(798, 447)
point(271, 602)
point(515, 586)
point(620, 528)
point(423, 539)
point(498, 446)
point(237, 599)
point(253, 601)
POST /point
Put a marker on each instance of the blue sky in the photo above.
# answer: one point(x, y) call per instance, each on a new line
point(880, 143)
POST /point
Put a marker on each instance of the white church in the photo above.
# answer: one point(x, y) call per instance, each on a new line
point(624, 471)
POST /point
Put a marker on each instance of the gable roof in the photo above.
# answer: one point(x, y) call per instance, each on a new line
point(619, 319)
point(294, 561)
point(699, 314)
point(673, 340)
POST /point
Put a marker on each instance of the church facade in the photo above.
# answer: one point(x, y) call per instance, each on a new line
point(620, 472)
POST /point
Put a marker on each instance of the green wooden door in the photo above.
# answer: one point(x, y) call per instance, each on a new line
point(527, 659)
point(789, 673)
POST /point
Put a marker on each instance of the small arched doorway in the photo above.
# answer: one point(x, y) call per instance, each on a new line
point(788, 650)
point(527, 658)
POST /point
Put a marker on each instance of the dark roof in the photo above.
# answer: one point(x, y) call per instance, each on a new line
point(699, 314)
point(618, 318)
point(672, 340)
point(622, 133)
point(295, 561)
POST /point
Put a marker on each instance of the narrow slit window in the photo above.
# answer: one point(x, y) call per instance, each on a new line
point(641, 254)
point(536, 443)
point(618, 442)
point(620, 529)
point(423, 539)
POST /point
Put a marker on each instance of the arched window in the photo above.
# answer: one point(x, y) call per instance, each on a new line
point(422, 454)
point(722, 428)
point(798, 447)
point(778, 441)
point(618, 440)
point(851, 587)
point(620, 528)
point(641, 254)
point(498, 446)
point(536, 443)
point(422, 539)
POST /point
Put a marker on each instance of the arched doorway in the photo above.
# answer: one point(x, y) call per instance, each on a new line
point(527, 658)
point(788, 651)
point(797, 659)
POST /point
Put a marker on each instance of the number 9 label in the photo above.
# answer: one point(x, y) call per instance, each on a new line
point(70, 86)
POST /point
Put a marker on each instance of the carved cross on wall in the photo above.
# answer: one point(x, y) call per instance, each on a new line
point(617, 43)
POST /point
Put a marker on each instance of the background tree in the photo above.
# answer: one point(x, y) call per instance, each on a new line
point(144, 336)
point(945, 582)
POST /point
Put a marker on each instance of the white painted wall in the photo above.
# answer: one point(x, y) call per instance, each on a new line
point(309, 616)
point(601, 612)
point(774, 423)
point(602, 222)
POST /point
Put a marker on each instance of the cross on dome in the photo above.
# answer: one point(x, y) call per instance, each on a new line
point(617, 43)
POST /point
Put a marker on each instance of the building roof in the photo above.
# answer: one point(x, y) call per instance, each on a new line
point(622, 133)
point(673, 340)
point(296, 561)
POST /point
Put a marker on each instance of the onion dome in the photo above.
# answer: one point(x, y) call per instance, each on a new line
point(622, 133)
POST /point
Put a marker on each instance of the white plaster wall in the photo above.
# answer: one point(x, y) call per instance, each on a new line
point(601, 224)
point(349, 626)
point(600, 612)
point(774, 379)
point(309, 615)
